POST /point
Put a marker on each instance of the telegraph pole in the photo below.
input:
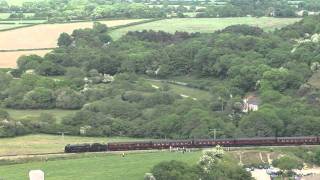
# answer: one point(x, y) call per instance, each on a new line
point(62, 134)
point(214, 133)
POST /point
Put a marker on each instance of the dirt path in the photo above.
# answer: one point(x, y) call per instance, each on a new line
point(240, 158)
point(260, 174)
point(269, 159)
point(261, 158)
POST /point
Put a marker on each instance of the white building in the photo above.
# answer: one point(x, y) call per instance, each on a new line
point(250, 103)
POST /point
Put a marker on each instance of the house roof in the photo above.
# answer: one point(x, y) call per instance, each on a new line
point(252, 99)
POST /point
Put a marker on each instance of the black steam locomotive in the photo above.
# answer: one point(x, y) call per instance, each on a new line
point(194, 143)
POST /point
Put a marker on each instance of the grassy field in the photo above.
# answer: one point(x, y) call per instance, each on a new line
point(20, 114)
point(10, 26)
point(205, 25)
point(23, 21)
point(111, 167)
point(179, 89)
point(48, 143)
point(4, 15)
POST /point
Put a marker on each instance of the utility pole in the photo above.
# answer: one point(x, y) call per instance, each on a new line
point(62, 134)
point(214, 133)
point(221, 101)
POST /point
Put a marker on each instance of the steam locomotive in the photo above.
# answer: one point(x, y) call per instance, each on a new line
point(194, 143)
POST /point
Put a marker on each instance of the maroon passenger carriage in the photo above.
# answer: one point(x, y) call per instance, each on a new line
point(194, 143)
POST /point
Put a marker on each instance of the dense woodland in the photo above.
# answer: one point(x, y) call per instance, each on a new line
point(108, 83)
point(67, 10)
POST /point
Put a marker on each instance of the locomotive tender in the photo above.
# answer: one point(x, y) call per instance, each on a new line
point(194, 143)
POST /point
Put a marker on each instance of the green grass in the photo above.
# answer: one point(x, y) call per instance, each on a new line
point(41, 143)
point(20, 114)
point(4, 15)
point(179, 89)
point(10, 26)
point(23, 21)
point(108, 167)
point(205, 25)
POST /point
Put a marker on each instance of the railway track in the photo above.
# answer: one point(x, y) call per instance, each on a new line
point(138, 151)
point(11, 156)
point(30, 154)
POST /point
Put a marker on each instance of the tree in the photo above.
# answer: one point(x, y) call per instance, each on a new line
point(69, 99)
point(39, 98)
point(262, 123)
point(64, 40)
point(105, 64)
point(100, 28)
point(48, 68)
point(4, 114)
point(287, 163)
point(210, 158)
point(317, 157)
point(174, 170)
point(277, 79)
point(29, 62)
point(5, 79)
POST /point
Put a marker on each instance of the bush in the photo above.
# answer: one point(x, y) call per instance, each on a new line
point(69, 99)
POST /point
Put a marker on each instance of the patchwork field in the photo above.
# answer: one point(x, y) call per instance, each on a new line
point(48, 143)
point(9, 59)
point(113, 167)
point(205, 25)
point(45, 35)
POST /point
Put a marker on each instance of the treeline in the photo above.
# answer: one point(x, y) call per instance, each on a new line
point(68, 10)
point(62, 11)
point(104, 80)
point(258, 8)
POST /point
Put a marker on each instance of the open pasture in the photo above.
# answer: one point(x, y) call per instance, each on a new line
point(184, 91)
point(205, 25)
point(31, 144)
point(109, 166)
point(10, 26)
point(46, 35)
point(24, 21)
point(9, 59)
